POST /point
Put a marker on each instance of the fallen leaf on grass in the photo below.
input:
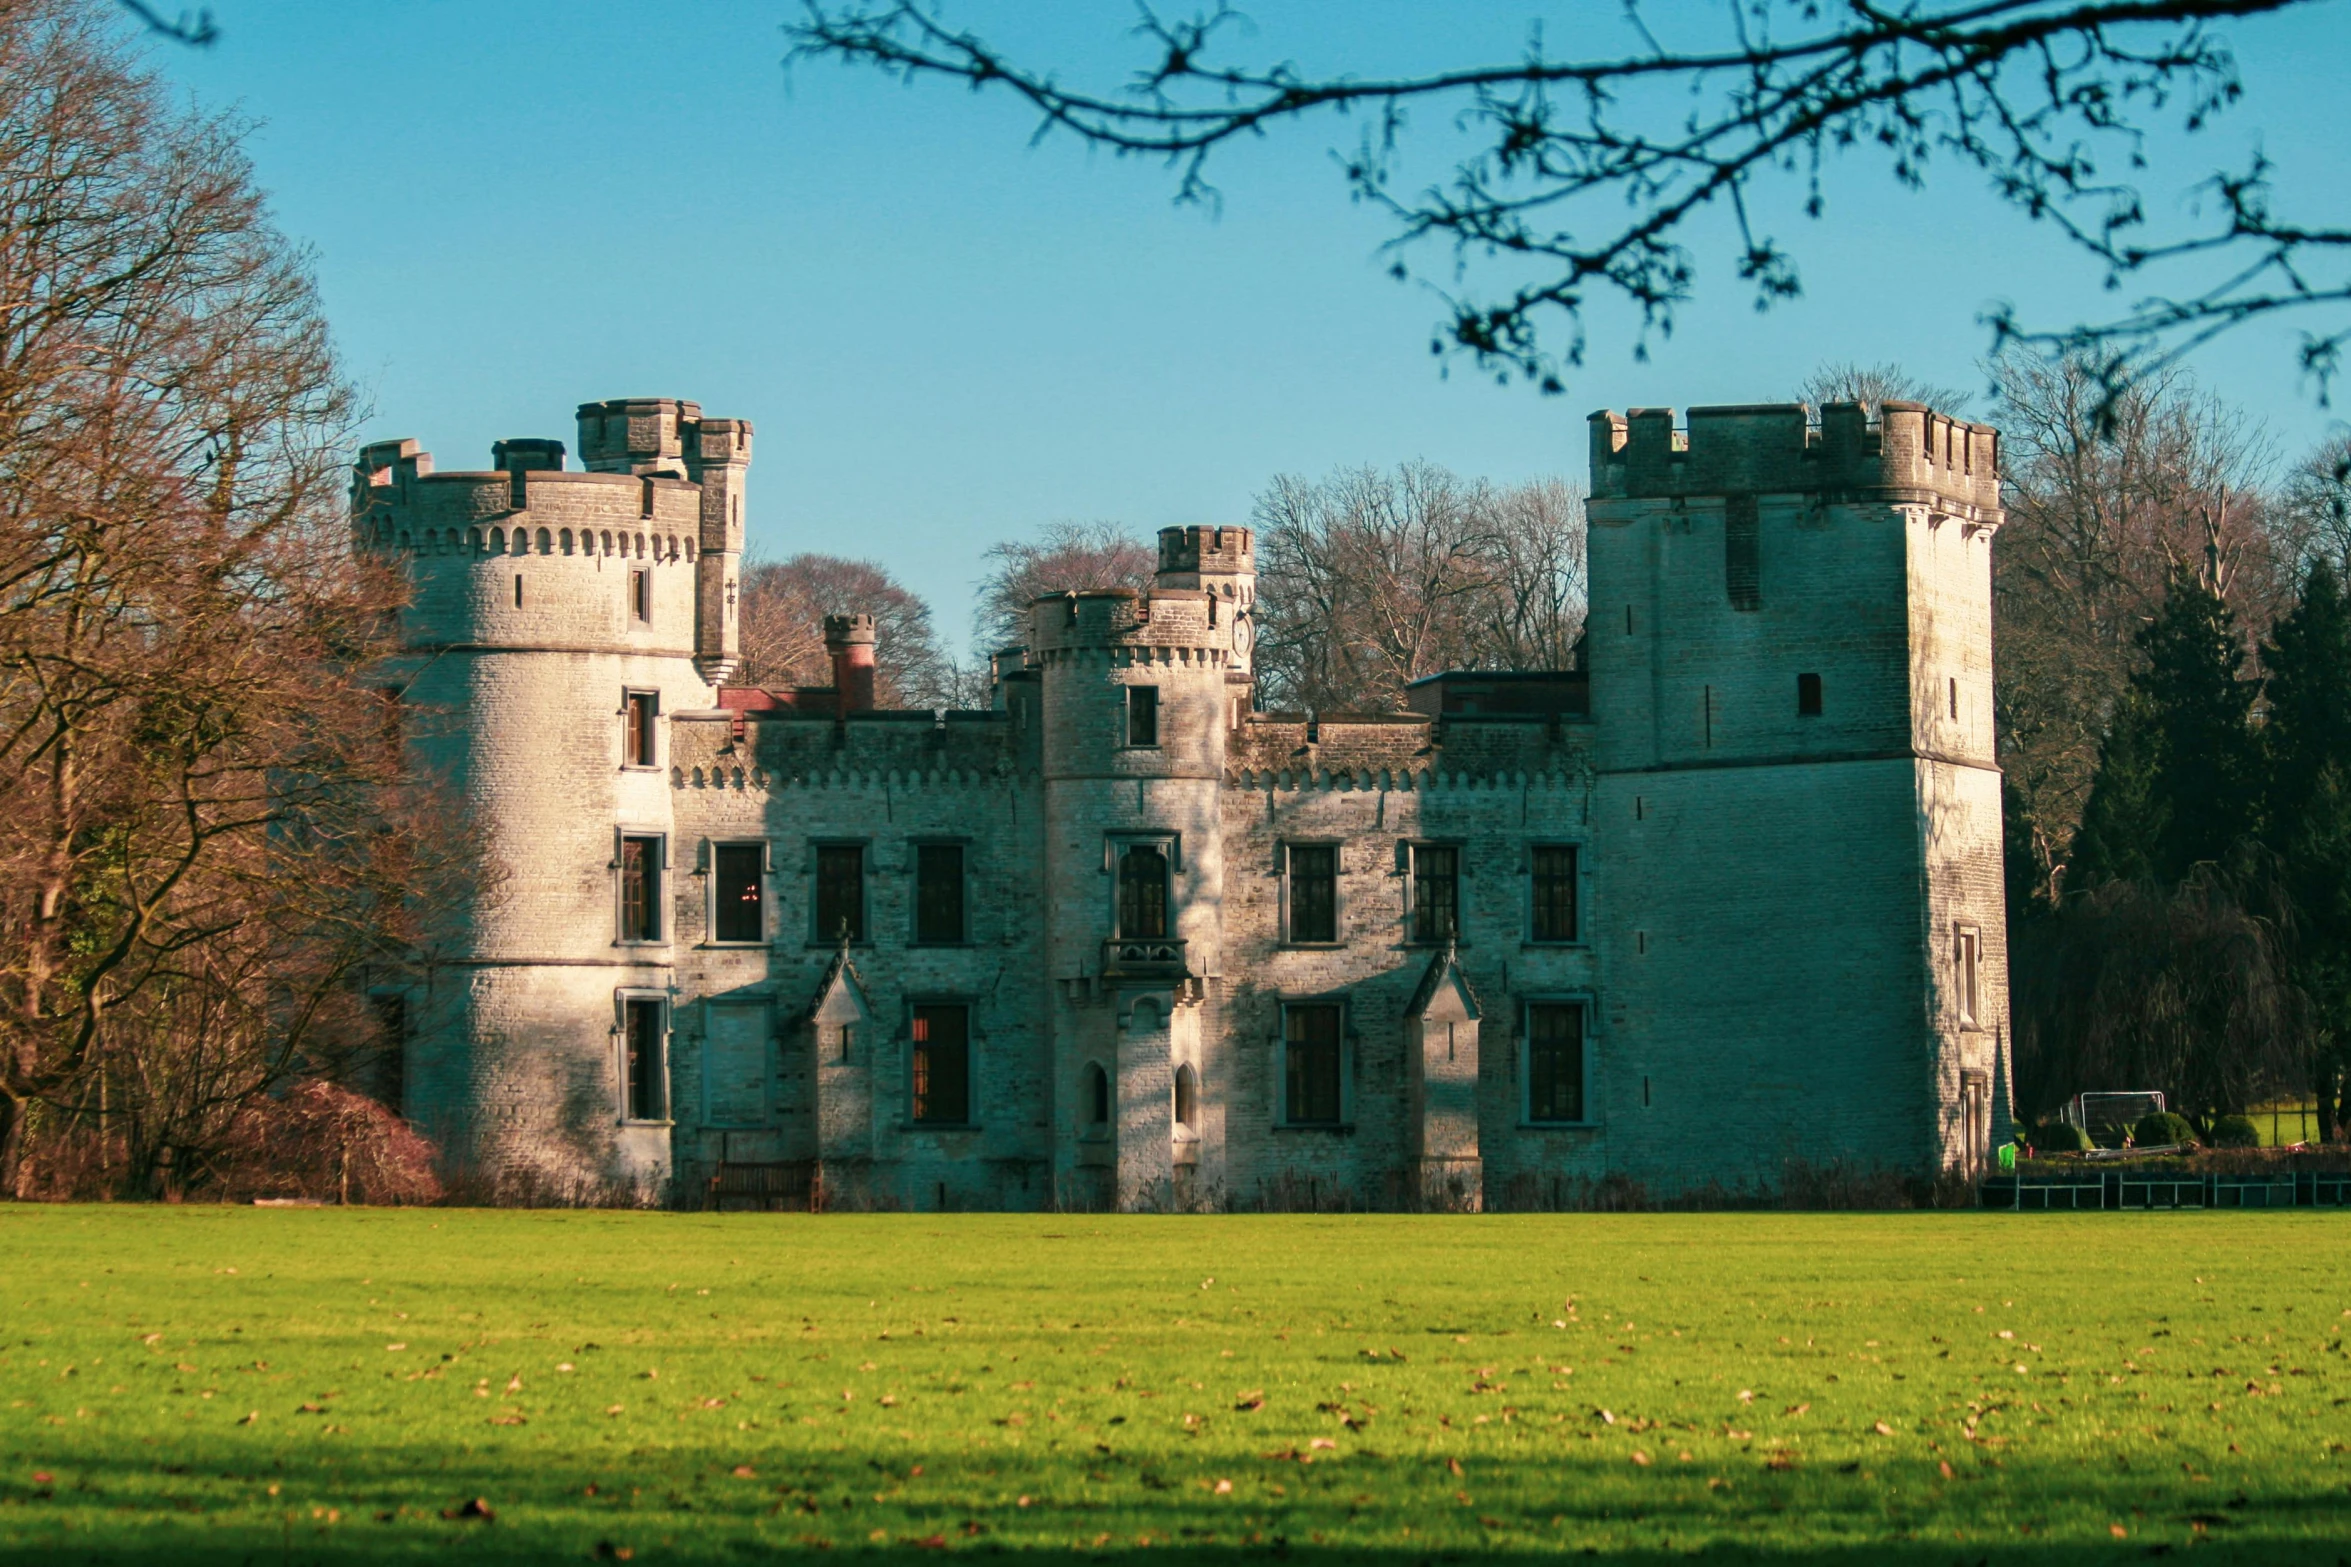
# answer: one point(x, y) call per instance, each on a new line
point(508, 1420)
point(1945, 1466)
point(394, 1349)
point(1795, 1409)
point(251, 1416)
point(613, 1409)
point(1453, 1465)
point(1223, 1488)
point(1640, 1458)
point(1883, 1429)
point(1746, 1395)
point(2118, 1531)
point(1324, 1441)
point(42, 1477)
point(150, 1338)
point(475, 1509)
point(606, 1551)
point(1252, 1400)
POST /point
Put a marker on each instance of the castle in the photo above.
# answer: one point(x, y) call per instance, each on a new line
point(1726, 897)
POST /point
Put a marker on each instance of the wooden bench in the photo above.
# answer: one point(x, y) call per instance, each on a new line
point(788, 1185)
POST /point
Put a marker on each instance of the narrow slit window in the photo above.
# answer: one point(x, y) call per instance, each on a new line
point(641, 596)
point(1967, 968)
point(518, 590)
point(739, 892)
point(1742, 553)
point(1097, 1095)
point(941, 1068)
point(1955, 699)
point(1808, 696)
point(1142, 715)
point(1314, 892)
point(1187, 1098)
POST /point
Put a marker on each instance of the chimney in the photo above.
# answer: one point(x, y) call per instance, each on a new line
point(849, 639)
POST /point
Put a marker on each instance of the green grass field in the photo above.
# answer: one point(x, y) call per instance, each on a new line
point(213, 1385)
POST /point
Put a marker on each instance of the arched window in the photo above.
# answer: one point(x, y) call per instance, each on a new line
point(497, 541)
point(566, 538)
point(1187, 1098)
point(545, 543)
point(1097, 1095)
point(1142, 892)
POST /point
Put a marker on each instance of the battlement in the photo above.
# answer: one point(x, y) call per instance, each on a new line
point(1121, 618)
point(1196, 549)
point(658, 434)
point(1780, 448)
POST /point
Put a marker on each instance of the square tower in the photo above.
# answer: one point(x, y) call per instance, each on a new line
point(1791, 660)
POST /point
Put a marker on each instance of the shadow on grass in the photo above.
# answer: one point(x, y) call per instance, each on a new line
point(673, 1505)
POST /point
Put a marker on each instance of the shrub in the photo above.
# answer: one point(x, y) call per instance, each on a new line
point(2234, 1131)
point(2060, 1137)
point(2161, 1128)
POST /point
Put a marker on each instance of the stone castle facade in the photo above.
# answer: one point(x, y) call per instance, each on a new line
point(1726, 897)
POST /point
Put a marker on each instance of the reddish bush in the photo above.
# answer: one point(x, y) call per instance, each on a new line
point(328, 1143)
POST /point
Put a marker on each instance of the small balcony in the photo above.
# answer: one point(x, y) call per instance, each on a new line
point(1143, 957)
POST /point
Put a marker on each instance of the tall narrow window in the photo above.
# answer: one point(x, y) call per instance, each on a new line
point(641, 596)
point(1554, 892)
point(641, 738)
point(1142, 892)
point(1808, 696)
point(1954, 700)
point(840, 892)
point(1187, 1098)
point(1555, 1061)
point(1310, 1067)
point(1436, 893)
point(518, 590)
point(645, 1083)
point(738, 892)
point(1742, 553)
point(640, 888)
point(942, 1065)
point(1142, 715)
point(1097, 1095)
point(1314, 892)
point(938, 893)
point(1967, 966)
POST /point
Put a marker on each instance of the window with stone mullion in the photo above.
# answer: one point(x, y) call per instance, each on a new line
point(1436, 893)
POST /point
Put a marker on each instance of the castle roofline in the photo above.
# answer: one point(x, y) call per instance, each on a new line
point(1907, 451)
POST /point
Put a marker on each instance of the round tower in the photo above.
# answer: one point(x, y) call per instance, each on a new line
point(1137, 702)
point(556, 619)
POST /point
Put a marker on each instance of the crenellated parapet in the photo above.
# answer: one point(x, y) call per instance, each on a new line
point(1120, 625)
point(1908, 453)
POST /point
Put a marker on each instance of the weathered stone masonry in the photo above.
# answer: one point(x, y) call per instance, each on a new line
point(1728, 896)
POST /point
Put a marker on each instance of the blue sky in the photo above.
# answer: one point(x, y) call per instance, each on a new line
point(946, 336)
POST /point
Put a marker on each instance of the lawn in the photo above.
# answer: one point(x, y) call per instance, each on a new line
point(212, 1385)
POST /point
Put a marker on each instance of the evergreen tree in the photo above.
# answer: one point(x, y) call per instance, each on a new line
point(2207, 777)
point(2307, 740)
point(2125, 813)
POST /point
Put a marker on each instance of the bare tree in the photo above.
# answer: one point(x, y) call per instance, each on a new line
point(210, 824)
point(1064, 556)
point(1589, 168)
point(2108, 497)
point(1369, 580)
point(784, 604)
point(1873, 386)
point(2315, 507)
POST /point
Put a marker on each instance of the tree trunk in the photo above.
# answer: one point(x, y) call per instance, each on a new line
point(11, 1143)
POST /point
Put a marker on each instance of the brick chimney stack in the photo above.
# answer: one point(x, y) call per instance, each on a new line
point(849, 639)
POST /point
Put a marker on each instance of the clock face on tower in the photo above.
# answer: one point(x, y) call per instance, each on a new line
point(1244, 634)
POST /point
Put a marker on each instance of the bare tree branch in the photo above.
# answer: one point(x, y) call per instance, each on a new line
point(1588, 171)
